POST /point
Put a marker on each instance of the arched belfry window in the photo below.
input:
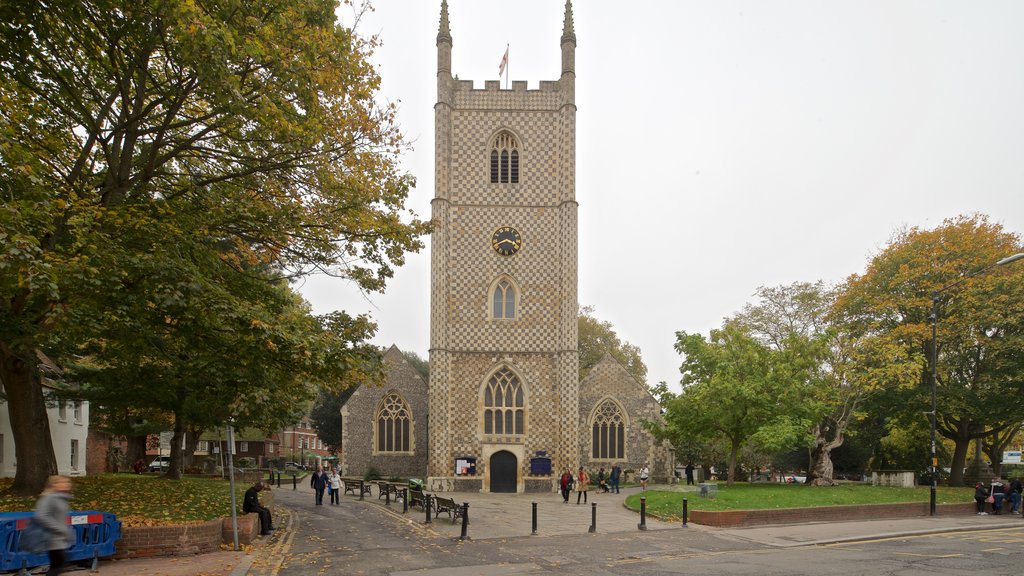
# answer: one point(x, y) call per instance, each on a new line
point(394, 424)
point(504, 159)
point(504, 408)
point(504, 298)
point(609, 432)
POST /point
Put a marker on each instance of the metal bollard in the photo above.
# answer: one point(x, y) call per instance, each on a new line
point(426, 504)
point(278, 479)
point(295, 482)
point(534, 533)
point(465, 520)
point(360, 489)
point(405, 500)
point(387, 495)
point(643, 513)
point(593, 517)
point(685, 512)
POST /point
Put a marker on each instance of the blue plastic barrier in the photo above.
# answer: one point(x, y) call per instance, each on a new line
point(95, 535)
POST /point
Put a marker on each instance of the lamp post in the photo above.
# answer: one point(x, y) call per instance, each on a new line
point(935, 362)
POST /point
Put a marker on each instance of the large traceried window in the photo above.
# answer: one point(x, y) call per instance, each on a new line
point(503, 404)
point(609, 432)
point(394, 424)
point(505, 159)
point(503, 300)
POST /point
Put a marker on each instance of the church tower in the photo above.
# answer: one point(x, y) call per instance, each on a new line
point(504, 381)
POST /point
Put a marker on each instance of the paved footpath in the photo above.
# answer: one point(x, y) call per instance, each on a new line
point(506, 520)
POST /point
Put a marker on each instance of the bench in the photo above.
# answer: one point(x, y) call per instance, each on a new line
point(354, 484)
point(448, 506)
point(393, 488)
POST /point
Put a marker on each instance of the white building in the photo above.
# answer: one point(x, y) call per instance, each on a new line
point(69, 429)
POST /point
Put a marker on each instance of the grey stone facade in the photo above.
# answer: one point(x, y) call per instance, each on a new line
point(359, 423)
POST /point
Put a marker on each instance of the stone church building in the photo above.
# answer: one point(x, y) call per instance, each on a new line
point(504, 409)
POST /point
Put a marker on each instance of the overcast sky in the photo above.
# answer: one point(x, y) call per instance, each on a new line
point(725, 145)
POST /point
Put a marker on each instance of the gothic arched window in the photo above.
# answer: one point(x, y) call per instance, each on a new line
point(505, 159)
point(504, 407)
point(394, 424)
point(503, 300)
point(609, 432)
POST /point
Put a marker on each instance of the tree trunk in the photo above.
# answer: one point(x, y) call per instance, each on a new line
point(820, 471)
point(30, 426)
point(956, 471)
point(734, 449)
point(174, 469)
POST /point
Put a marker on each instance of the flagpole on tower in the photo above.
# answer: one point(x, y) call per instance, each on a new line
point(503, 66)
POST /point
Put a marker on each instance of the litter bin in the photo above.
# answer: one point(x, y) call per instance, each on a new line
point(415, 484)
point(95, 535)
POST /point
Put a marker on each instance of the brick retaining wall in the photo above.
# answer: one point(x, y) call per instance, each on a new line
point(188, 539)
point(736, 518)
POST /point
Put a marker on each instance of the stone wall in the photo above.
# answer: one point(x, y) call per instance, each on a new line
point(609, 381)
point(358, 416)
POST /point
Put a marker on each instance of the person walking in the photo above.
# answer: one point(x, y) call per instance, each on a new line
point(566, 484)
point(335, 481)
point(616, 475)
point(319, 483)
point(251, 505)
point(689, 473)
point(51, 511)
point(980, 495)
point(645, 473)
point(582, 485)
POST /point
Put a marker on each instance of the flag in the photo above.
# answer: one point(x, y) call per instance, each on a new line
point(504, 62)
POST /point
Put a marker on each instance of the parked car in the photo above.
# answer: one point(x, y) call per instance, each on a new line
point(160, 464)
point(293, 466)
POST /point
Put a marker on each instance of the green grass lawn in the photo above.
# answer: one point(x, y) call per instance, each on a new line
point(143, 500)
point(741, 496)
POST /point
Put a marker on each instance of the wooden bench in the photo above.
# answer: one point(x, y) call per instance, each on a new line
point(353, 485)
point(394, 488)
point(448, 506)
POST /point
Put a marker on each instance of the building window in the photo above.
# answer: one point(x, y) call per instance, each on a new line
point(270, 448)
point(243, 447)
point(62, 411)
point(505, 159)
point(74, 454)
point(503, 404)
point(394, 424)
point(78, 412)
point(609, 432)
point(503, 300)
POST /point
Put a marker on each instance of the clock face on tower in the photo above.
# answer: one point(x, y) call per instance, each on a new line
point(506, 241)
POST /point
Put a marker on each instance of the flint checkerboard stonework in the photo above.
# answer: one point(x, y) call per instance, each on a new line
point(539, 344)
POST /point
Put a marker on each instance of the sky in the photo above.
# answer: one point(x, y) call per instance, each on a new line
point(723, 145)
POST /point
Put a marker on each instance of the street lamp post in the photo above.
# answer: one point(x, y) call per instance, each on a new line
point(935, 363)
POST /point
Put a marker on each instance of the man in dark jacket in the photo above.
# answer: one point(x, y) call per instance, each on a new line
point(319, 483)
point(251, 503)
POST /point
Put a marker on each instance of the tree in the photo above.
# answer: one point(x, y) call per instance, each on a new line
point(738, 389)
point(841, 375)
point(422, 366)
point(127, 126)
point(597, 337)
point(980, 325)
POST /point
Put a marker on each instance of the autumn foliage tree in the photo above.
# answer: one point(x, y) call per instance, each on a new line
point(980, 323)
point(210, 139)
